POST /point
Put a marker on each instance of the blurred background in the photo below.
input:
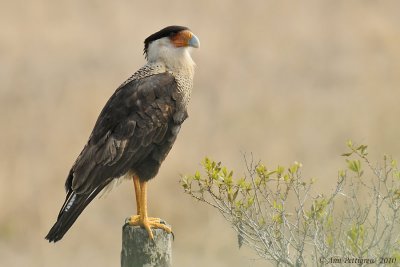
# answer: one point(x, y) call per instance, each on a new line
point(283, 80)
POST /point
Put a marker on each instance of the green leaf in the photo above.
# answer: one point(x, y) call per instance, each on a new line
point(280, 170)
point(277, 218)
point(261, 170)
point(329, 221)
point(354, 165)
point(250, 202)
point(329, 240)
point(349, 144)
point(235, 194)
point(241, 183)
point(230, 196)
point(286, 177)
point(393, 163)
point(293, 169)
point(356, 237)
point(184, 182)
point(238, 204)
point(363, 150)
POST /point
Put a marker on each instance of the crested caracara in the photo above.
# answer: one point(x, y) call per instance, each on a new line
point(135, 130)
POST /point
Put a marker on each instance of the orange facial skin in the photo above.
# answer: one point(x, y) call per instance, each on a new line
point(182, 38)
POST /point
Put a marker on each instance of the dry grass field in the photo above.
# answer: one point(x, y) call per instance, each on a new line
point(283, 80)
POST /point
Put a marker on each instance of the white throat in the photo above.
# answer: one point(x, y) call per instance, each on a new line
point(176, 60)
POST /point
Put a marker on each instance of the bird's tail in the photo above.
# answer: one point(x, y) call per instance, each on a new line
point(73, 206)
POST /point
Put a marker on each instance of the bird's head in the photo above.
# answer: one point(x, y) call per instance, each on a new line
point(171, 46)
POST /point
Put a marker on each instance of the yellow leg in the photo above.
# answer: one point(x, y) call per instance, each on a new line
point(136, 183)
point(143, 220)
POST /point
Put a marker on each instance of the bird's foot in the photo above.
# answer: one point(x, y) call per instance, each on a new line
point(148, 223)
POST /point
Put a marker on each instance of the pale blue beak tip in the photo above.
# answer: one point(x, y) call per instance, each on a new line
point(194, 41)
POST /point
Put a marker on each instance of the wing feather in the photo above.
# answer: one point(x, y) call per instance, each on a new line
point(135, 117)
point(134, 121)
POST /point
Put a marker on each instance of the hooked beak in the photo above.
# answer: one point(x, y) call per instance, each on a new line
point(194, 41)
point(186, 38)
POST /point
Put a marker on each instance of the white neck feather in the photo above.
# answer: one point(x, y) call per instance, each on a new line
point(176, 60)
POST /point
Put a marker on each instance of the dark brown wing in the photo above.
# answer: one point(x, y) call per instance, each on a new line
point(135, 117)
point(134, 120)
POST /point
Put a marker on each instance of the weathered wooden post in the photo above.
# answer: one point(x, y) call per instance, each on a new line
point(140, 251)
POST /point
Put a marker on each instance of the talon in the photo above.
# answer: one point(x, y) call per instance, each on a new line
point(133, 219)
point(141, 219)
point(148, 223)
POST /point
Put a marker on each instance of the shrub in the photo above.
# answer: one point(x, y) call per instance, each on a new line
point(279, 215)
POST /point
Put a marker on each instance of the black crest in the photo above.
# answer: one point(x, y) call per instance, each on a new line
point(168, 31)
